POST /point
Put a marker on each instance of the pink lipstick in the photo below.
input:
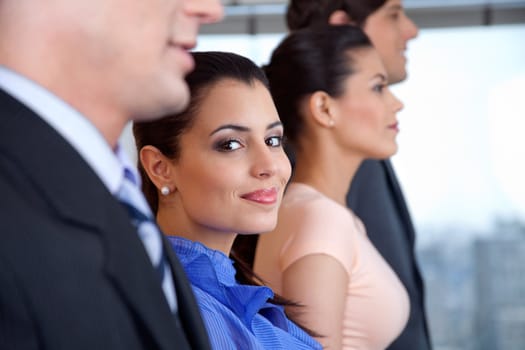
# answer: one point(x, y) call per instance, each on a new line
point(263, 196)
point(394, 127)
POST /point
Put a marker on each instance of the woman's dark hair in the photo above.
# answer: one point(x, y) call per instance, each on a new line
point(210, 68)
point(310, 60)
point(309, 13)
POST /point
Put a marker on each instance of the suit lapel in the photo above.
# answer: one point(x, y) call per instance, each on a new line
point(407, 221)
point(76, 194)
point(187, 305)
point(400, 200)
point(133, 275)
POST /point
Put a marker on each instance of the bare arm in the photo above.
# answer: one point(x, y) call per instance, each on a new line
point(319, 282)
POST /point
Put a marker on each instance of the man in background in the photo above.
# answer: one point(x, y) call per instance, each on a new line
point(375, 195)
point(82, 264)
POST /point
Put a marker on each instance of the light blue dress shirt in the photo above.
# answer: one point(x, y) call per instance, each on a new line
point(236, 316)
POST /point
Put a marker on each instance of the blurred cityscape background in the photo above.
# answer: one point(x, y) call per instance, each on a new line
point(476, 288)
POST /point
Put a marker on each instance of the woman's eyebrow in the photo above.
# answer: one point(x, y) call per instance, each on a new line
point(230, 126)
point(274, 124)
point(244, 128)
point(380, 76)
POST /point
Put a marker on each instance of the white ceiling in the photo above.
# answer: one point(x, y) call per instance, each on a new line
point(267, 16)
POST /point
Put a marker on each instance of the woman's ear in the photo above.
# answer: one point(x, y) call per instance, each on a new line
point(339, 17)
point(157, 166)
point(321, 109)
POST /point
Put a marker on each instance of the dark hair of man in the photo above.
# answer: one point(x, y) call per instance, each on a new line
point(310, 60)
point(307, 13)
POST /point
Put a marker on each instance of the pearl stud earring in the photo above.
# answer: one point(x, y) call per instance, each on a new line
point(165, 190)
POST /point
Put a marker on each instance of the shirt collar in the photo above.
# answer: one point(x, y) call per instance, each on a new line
point(129, 170)
point(213, 272)
point(72, 126)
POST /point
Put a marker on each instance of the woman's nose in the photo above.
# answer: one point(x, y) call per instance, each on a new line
point(264, 163)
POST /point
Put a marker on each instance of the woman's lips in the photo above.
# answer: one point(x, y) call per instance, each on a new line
point(394, 126)
point(263, 196)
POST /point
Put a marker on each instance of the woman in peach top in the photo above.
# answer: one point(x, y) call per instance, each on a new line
point(330, 89)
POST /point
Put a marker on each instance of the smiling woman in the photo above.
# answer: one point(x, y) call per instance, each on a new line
point(212, 172)
point(229, 157)
point(221, 160)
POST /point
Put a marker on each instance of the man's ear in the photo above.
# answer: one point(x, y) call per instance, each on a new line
point(321, 109)
point(157, 166)
point(339, 17)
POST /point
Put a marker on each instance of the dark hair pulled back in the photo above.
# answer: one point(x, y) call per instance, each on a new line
point(310, 60)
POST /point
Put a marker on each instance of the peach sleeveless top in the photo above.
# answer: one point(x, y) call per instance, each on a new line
point(377, 304)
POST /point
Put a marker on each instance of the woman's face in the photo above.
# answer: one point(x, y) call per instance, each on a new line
point(232, 169)
point(366, 122)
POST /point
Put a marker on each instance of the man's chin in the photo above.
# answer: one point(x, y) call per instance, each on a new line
point(397, 78)
point(179, 100)
point(176, 104)
point(183, 99)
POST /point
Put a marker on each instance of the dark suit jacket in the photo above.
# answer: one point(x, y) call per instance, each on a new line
point(73, 271)
point(376, 198)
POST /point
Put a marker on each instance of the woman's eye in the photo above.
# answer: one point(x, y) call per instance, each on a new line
point(379, 88)
point(229, 145)
point(274, 141)
point(395, 15)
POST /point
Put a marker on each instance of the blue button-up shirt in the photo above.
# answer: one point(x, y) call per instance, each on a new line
point(236, 316)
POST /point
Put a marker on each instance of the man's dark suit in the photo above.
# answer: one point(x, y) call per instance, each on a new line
point(73, 271)
point(376, 198)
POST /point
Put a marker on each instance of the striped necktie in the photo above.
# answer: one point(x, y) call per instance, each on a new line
point(133, 200)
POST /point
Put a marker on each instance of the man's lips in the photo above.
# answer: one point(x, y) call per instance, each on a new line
point(185, 44)
point(185, 58)
point(263, 196)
